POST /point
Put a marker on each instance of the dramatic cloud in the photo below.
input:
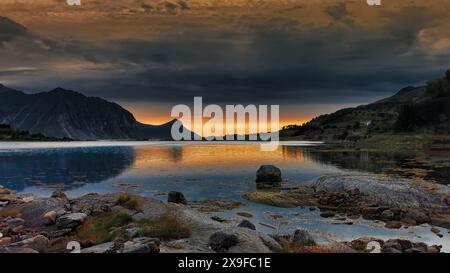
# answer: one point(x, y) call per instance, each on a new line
point(285, 56)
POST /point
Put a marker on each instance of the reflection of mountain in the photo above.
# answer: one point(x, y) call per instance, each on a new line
point(405, 164)
point(69, 167)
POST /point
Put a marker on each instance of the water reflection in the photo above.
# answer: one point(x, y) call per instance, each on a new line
point(68, 168)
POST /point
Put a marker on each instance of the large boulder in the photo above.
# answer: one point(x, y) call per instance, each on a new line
point(176, 197)
point(39, 243)
point(268, 176)
point(387, 191)
point(71, 220)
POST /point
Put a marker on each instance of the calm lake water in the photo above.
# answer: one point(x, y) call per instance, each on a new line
point(202, 171)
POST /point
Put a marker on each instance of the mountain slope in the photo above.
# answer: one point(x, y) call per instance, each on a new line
point(423, 109)
point(64, 113)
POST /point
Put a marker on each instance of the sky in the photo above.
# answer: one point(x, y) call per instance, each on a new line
point(309, 56)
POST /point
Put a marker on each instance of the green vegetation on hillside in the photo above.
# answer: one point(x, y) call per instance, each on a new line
point(10, 134)
point(413, 110)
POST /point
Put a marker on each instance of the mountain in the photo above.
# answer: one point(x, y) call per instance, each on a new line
point(64, 113)
point(424, 109)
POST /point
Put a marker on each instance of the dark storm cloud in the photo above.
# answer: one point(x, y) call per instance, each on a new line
point(279, 61)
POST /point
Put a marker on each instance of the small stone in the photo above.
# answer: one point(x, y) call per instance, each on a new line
point(4, 204)
point(435, 230)
point(434, 249)
point(327, 214)
point(393, 225)
point(222, 241)
point(247, 224)
point(387, 215)
point(176, 197)
point(312, 208)
point(70, 220)
point(219, 219)
point(50, 217)
point(15, 222)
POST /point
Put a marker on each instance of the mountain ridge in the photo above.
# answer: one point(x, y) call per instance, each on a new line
point(63, 113)
point(422, 109)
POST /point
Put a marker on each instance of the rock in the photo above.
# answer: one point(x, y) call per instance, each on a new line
point(176, 197)
point(387, 215)
point(132, 232)
point(4, 204)
point(101, 248)
point(70, 220)
point(327, 214)
point(17, 250)
point(390, 250)
point(5, 191)
point(33, 211)
point(302, 238)
point(137, 245)
point(435, 230)
point(59, 233)
point(413, 250)
point(369, 213)
point(142, 245)
point(387, 191)
point(59, 194)
point(268, 174)
point(39, 243)
point(405, 244)
point(50, 217)
point(15, 222)
point(219, 219)
point(393, 225)
point(247, 224)
point(434, 249)
point(222, 241)
point(392, 244)
point(5, 241)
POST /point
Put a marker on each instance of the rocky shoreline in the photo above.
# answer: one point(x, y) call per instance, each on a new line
point(124, 223)
point(397, 202)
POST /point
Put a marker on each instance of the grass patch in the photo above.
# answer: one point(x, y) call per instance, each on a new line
point(102, 228)
point(167, 227)
point(128, 201)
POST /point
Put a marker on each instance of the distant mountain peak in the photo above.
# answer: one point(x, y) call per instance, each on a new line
point(10, 29)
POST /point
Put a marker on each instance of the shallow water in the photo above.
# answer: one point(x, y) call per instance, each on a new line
point(202, 171)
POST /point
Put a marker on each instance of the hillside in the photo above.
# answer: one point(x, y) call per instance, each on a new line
point(423, 109)
point(63, 113)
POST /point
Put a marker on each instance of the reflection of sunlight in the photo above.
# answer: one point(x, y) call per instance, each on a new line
point(223, 156)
